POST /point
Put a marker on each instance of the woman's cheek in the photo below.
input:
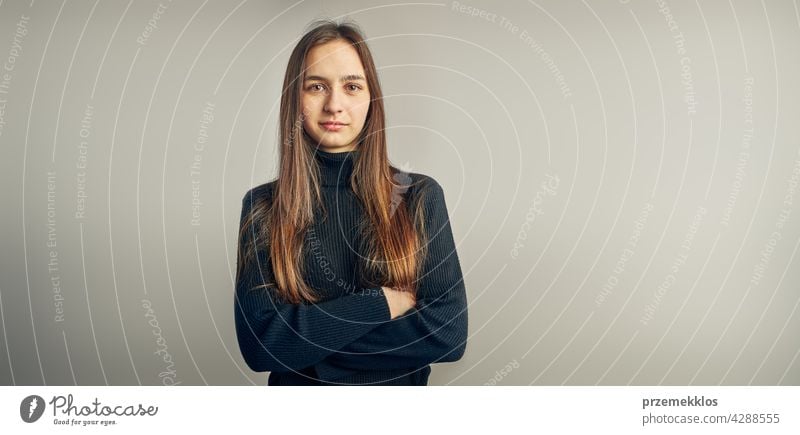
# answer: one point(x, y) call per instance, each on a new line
point(365, 110)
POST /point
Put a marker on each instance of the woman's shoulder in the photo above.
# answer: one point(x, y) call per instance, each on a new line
point(421, 184)
point(421, 189)
point(262, 192)
point(411, 184)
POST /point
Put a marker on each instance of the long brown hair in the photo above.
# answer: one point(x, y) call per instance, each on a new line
point(395, 248)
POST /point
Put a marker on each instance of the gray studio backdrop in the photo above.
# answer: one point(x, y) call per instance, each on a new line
point(622, 180)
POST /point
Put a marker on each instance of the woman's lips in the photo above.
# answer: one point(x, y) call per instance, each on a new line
point(332, 126)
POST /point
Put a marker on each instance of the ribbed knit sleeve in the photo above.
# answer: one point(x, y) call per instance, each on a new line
point(275, 336)
point(435, 330)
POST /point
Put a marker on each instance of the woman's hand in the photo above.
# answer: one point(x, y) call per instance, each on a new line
point(399, 301)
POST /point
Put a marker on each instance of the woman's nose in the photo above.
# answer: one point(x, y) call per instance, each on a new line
point(334, 102)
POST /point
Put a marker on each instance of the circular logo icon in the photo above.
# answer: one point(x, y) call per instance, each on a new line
point(31, 408)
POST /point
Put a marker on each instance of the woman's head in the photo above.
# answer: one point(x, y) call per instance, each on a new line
point(331, 76)
point(331, 90)
point(335, 96)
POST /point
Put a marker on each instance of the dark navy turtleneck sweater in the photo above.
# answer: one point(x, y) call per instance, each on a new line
point(348, 337)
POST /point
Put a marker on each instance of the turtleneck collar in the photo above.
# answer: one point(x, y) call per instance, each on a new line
point(335, 169)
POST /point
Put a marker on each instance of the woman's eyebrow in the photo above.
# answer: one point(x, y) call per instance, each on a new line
point(344, 78)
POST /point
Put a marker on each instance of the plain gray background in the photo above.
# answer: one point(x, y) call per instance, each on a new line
point(621, 179)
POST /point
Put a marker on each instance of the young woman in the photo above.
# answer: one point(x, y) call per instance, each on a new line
point(347, 272)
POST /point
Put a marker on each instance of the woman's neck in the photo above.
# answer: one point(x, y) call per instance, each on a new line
point(335, 169)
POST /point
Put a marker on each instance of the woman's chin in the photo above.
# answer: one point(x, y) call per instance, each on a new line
point(334, 146)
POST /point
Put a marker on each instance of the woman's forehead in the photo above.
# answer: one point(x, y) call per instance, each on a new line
point(333, 60)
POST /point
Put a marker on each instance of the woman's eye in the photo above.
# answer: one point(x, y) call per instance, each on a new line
point(353, 88)
point(316, 87)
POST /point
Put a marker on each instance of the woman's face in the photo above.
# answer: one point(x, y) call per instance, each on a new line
point(335, 98)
